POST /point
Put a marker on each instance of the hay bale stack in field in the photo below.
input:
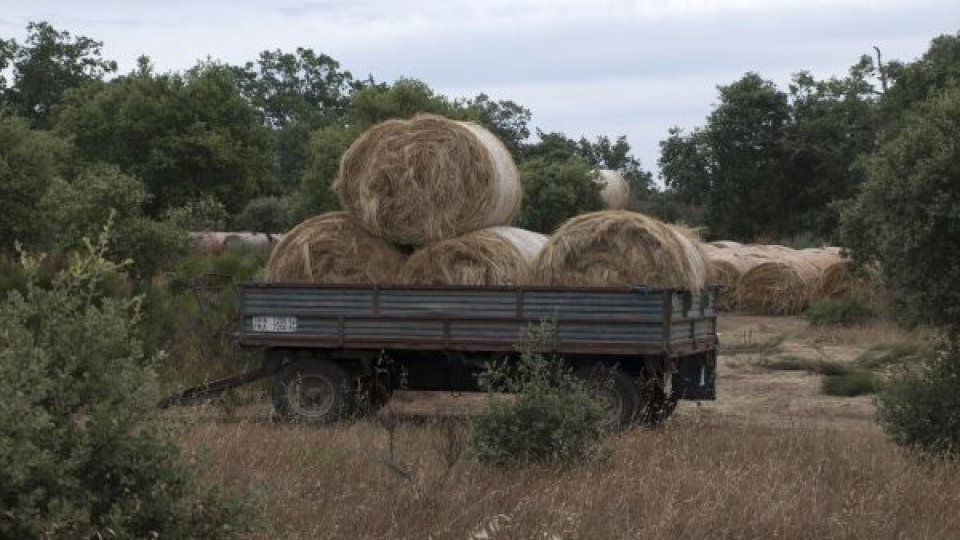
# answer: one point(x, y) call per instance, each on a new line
point(836, 279)
point(333, 248)
point(620, 248)
point(427, 179)
point(781, 284)
point(615, 191)
point(727, 264)
point(492, 256)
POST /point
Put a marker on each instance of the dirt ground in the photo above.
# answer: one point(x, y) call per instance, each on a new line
point(747, 390)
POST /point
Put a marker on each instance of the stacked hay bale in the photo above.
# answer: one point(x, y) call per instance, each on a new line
point(493, 256)
point(620, 248)
point(728, 262)
point(333, 248)
point(782, 284)
point(836, 279)
point(442, 186)
point(428, 179)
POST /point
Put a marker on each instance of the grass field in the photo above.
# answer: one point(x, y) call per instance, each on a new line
point(772, 458)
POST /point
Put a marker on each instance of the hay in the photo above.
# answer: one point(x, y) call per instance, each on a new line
point(493, 256)
point(615, 191)
point(836, 279)
point(427, 179)
point(620, 248)
point(333, 248)
point(782, 284)
point(726, 244)
point(727, 264)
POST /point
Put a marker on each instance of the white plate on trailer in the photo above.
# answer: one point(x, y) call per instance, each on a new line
point(264, 323)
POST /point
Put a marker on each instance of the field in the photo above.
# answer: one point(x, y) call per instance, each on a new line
point(773, 457)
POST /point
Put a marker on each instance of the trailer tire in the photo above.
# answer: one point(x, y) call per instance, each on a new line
point(616, 390)
point(313, 391)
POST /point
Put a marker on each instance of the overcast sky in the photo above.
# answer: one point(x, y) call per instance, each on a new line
point(582, 67)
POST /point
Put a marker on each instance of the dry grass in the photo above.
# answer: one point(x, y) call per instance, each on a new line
point(427, 179)
point(699, 477)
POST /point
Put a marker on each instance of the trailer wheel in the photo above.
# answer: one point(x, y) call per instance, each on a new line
point(315, 391)
point(617, 392)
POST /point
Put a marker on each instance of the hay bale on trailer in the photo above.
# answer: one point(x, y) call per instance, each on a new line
point(615, 191)
point(836, 279)
point(492, 256)
point(333, 248)
point(782, 284)
point(427, 179)
point(620, 248)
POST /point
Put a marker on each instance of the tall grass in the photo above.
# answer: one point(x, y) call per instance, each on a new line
point(699, 477)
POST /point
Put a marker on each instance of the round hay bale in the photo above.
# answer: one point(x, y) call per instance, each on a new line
point(727, 264)
point(781, 284)
point(210, 242)
point(493, 256)
point(427, 179)
point(836, 279)
point(615, 191)
point(333, 248)
point(620, 248)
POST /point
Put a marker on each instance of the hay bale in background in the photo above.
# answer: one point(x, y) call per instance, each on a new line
point(493, 256)
point(727, 263)
point(333, 248)
point(620, 248)
point(836, 279)
point(783, 284)
point(615, 191)
point(427, 179)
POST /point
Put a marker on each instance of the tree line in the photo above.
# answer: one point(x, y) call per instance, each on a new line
point(257, 146)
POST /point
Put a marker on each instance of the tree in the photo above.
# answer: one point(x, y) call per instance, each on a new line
point(29, 162)
point(914, 83)
point(187, 137)
point(48, 65)
point(834, 123)
point(100, 193)
point(906, 214)
point(82, 451)
point(554, 191)
point(505, 119)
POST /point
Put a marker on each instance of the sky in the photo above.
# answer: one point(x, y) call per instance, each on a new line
point(583, 67)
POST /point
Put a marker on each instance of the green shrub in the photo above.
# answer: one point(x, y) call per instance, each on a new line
point(553, 416)
point(921, 407)
point(898, 354)
point(844, 311)
point(83, 453)
point(851, 383)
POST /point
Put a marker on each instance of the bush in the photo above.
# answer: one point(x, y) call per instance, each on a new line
point(851, 383)
point(82, 451)
point(843, 311)
point(921, 408)
point(552, 418)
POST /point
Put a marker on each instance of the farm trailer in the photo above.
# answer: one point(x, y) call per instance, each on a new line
point(333, 349)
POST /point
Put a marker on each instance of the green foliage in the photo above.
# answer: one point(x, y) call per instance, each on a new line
point(187, 136)
point(917, 82)
point(267, 214)
point(895, 355)
point(49, 64)
point(83, 453)
point(553, 418)
point(853, 383)
point(554, 191)
point(772, 163)
point(906, 215)
point(921, 407)
point(844, 311)
point(101, 193)
point(29, 162)
point(206, 214)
